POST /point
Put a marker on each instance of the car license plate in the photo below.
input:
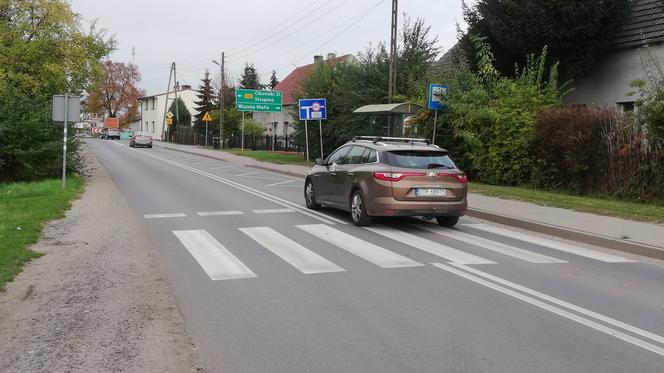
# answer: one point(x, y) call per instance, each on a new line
point(430, 192)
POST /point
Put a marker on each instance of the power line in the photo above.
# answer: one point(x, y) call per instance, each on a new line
point(287, 35)
point(359, 18)
point(312, 9)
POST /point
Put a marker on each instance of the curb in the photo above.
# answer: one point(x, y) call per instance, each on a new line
point(570, 234)
point(553, 230)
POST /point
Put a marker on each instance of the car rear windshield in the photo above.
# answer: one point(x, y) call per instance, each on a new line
point(428, 159)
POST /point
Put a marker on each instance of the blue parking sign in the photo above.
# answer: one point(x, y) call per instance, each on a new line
point(437, 92)
point(313, 109)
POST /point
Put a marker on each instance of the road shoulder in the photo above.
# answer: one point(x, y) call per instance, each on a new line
point(98, 300)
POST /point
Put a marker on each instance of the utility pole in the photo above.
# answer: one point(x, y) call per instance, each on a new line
point(177, 86)
point(221, 98)
point(393, 53)
point(168, 90)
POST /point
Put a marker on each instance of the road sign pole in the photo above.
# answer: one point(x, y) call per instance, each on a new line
point(320, 126)
point(306, 138)
point(64, 144)
point(243, 131)
point(206, 133)
point(435, 119)
point(274, 132)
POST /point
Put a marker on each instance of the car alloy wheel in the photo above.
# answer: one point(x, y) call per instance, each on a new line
point(358, 211)
point(310, 196)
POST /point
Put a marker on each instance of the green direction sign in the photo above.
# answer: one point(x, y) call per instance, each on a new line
point(257, 100)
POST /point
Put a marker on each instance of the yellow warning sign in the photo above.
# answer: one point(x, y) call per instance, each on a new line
point(169, 121)
point(207, 117)
point(169, 115)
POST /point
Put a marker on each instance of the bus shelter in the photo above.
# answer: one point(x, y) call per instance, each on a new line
point(388, 119)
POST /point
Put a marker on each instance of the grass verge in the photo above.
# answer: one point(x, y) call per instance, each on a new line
point(24, 207)
point(273, 157)
point(649, 212)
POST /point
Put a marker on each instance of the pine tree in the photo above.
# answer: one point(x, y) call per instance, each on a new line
point(250, 79)
point(205, 101)
point(273, 80)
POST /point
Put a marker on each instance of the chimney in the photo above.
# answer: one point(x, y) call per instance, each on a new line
point(331, 56)
point(318, 59)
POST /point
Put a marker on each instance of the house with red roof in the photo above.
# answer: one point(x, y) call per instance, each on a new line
point(281, 124)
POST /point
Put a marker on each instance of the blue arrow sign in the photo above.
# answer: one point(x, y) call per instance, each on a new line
point(437, 92)
point(313, 109)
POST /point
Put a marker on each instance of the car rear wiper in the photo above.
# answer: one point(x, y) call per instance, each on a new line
point(438, 165)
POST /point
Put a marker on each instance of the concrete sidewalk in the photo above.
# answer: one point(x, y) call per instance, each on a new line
point(621, 234)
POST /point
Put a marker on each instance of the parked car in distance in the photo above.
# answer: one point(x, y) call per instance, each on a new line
point(389, 176)
point(140, 139)
point(113, 133)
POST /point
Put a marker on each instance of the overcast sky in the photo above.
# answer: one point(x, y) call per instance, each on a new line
point(193, 33)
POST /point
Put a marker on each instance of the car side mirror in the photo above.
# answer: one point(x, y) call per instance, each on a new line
point(320, 162)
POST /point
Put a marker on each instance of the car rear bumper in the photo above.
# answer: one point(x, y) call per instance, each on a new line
point(388, 206)
point(143, 143)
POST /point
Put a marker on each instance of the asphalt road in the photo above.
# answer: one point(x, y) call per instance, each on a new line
point(266, 285)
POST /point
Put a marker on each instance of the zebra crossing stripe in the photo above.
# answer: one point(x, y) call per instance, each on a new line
point(551, 244)
point(305, 260)
point(435, 248)
point(216, 260)
point(365, 250)
point(498, 247)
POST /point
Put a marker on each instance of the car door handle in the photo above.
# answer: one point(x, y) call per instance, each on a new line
point(351, 173)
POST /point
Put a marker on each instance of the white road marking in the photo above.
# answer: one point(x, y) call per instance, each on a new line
point(272, 198)
point(247, 174)
point(431, 247)
point(560, 311)
point(220, 167)
point(305, 260)
point(216, 260)
point(272, 211)
point(280, 183)
point(164, 216)
point(365, 250)
point(219, 213)
point(580, 251)
point(498, 247)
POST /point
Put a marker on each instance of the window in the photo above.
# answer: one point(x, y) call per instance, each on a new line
point(371, 157)
point(355, 155)
point(153, 102)
point(338, 156)
point(626, 107)
point(152, 126)
point(419, 159)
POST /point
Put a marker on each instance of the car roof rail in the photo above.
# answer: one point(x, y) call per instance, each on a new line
point(383, 139)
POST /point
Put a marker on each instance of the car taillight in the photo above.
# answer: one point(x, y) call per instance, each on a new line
point(462, 178)
point(396, 176)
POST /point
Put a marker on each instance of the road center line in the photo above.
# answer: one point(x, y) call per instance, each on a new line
point(562, 303)
point(164, 216)
point(219, 213)
point(272, 211)
point(558, 311)
point(269, 197)
point(279, 183)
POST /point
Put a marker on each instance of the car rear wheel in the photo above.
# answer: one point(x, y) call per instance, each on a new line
point(358, 211)
point(447, 221)
point(310, 195)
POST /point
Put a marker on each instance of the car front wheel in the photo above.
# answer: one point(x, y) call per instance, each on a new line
point(447, 221)
point(310, 195)
point(358, 211)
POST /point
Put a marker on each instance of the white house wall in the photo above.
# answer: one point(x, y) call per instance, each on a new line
point(284, 120)
point(609, 81)
point(152, 110)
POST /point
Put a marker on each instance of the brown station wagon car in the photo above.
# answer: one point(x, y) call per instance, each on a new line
point(389, 176)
